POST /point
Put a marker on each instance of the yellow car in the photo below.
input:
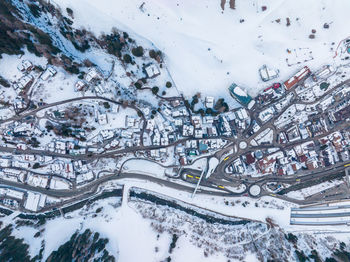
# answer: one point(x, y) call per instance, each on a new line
point(298, 180)
point(226, 158)
point(347, 165)
point(221, 187)
point(197, 177)
point(189, 176)
point(272, 195)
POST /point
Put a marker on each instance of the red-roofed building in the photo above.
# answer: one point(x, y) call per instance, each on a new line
point(302, 74)
point(303, 158)
point(267, 166)
point(250, 159)
point(281, 171)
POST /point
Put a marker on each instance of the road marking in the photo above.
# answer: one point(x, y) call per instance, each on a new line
point(199, 181)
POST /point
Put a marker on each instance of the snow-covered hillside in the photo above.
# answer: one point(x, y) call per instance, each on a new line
point(140, 230)
point(207, 48)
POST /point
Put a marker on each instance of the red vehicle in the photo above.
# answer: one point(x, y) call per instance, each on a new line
point(274, 86)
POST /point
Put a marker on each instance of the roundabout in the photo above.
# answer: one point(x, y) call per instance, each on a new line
point(255, 190)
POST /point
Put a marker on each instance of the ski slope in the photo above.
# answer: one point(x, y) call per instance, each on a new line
point(207, 48)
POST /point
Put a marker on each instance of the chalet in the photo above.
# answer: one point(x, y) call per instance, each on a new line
point(282, 138)
point(211, 131)
point(196, 121)
point(280, 171)
point(183, 161)
point(267, 165)
point(180, 112)
point(102, 118)
point(106, 134)
point(224, 126)
point(24, 82)
point(303, 158)
point(191, 144)
point(5, 162)
point(152, 70)
point(93, 74)
point(60, 147)
point(49, 72)
point(336, 139)
point(198, 133)
point(311, 164)
point(155, 154)
point(150, 125)
point(208, 120)
point(26, 65)
point(131, 122)
point(187, 130)
point(209, 102)
point(85, 177)
point(126, 134)
point(175, 103)
point(242, 114)
point(156, 138)
point(79, 85)
point(100, 89)
point(164, 141)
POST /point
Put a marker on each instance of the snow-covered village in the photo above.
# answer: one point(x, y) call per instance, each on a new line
point(109, 138)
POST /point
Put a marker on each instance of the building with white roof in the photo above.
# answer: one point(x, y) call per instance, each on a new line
point(57, 183)
point(267, 74)
point(102, 119)
point(85, 177)
point(5, 162)
point(26, 65)
point(24, 82)
point(7, 192)
point(152, 70)
point(79, 85)
point(209, 102)
point(32, 201)
point(49, 72)
point(93, 74)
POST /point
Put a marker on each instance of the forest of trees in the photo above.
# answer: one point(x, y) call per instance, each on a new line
point(86, 246)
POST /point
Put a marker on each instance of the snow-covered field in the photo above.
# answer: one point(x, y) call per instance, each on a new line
point(144, 167)
point(206, 48)
point(130, 236)
point(133, 237)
